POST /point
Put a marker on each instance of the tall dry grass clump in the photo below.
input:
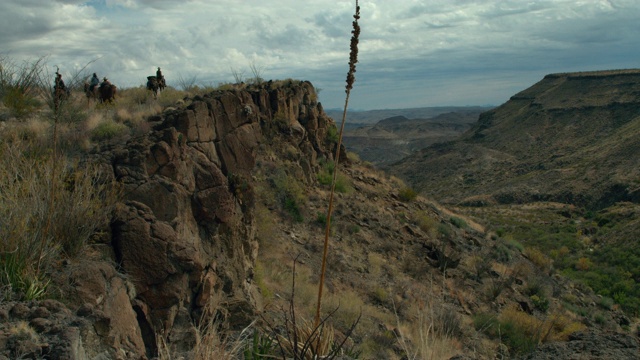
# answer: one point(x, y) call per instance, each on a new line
point(38, 226)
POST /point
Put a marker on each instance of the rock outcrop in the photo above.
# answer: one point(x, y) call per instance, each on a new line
point(185, 235)
point(589, 346)
point(182, 240)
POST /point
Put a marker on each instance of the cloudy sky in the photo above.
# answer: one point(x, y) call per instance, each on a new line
point(413, 53)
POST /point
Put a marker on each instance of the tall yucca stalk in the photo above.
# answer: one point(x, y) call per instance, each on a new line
point(351, 78)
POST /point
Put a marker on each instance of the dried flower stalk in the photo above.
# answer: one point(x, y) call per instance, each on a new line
point(351, 78)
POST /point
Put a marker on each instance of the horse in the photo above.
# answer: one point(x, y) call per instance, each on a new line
point(156, 85)
point(91, 93)
point(153, 85)
point(107, 93)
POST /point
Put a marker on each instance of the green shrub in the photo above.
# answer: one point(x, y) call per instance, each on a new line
point(427, 224)
point(444, 230)
point(407, 194)
point(20, 103)
point(540, 302)
point(290, 195)
point(108, 130)
point(325, 177)
point(332, 134)
point(458, 222)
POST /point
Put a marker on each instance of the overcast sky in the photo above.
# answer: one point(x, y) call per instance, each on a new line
point(413, 53)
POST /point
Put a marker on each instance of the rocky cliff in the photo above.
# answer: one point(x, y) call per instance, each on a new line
point(182, 241)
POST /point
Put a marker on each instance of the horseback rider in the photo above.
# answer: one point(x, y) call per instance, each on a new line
point(105, 82)
point(94, 82)
point(59, 83)
point(160, 78)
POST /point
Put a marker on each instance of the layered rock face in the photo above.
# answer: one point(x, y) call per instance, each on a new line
point(184, 236)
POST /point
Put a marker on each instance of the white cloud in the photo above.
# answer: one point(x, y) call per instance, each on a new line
point(414, 47)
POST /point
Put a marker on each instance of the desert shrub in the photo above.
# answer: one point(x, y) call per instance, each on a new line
point(21, 85)
point(606, 303)
point(427, 224)
point(35, 234)
point(352, 156)
point(540, 302)
point(325, 177)
point(583, 264)
point(19, 102)
point(332, 134)
point(458, 222)
point(258, 279)
point(290, 195)
point(380, 295)
point(170, 96)
point(432, 334)
point(535, 286)
point(135, 96)
point(522, 332)
point(538, 258)
point(444, 231)
point(513, 243)
point(407, 194)
point(108, 130)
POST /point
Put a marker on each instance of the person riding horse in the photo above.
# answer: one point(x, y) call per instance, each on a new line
point(59, 83)
point(94, 82)
point(161, 83)
point(105, 82)
point(60, 91)
point(107, 91)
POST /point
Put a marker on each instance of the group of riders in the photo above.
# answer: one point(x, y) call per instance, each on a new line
point(154, 83)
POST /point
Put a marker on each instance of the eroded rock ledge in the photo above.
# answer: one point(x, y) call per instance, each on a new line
point(183, 238)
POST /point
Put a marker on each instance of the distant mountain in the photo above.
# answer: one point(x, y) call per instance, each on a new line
point(390, 139)
point(572, 138)
point(373, 116)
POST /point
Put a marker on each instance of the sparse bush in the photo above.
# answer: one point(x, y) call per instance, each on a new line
point(380, 295)
point(540, 302)
point(522, 332)
point(583, 264)
point(606, 303)
point(352, 156)
point(332, 134)
point(325, 177)
point(290, 195)
point(427, 224)
point(407, 194)
point(458, 222)
point(108, 130)
point(513, 243)
point(35, 234)
point(21, 85)
point(445, 231)
point(538, 258)
point(433, 334)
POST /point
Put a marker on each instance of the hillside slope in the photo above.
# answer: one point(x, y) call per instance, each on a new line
point(572, 138)
point(223, 209)
point(393, 138)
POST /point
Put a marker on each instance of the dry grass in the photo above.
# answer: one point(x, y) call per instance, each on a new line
point(432, 331)
point(82, 205)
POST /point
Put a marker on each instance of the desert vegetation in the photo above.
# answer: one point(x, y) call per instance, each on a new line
point(352, 263)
